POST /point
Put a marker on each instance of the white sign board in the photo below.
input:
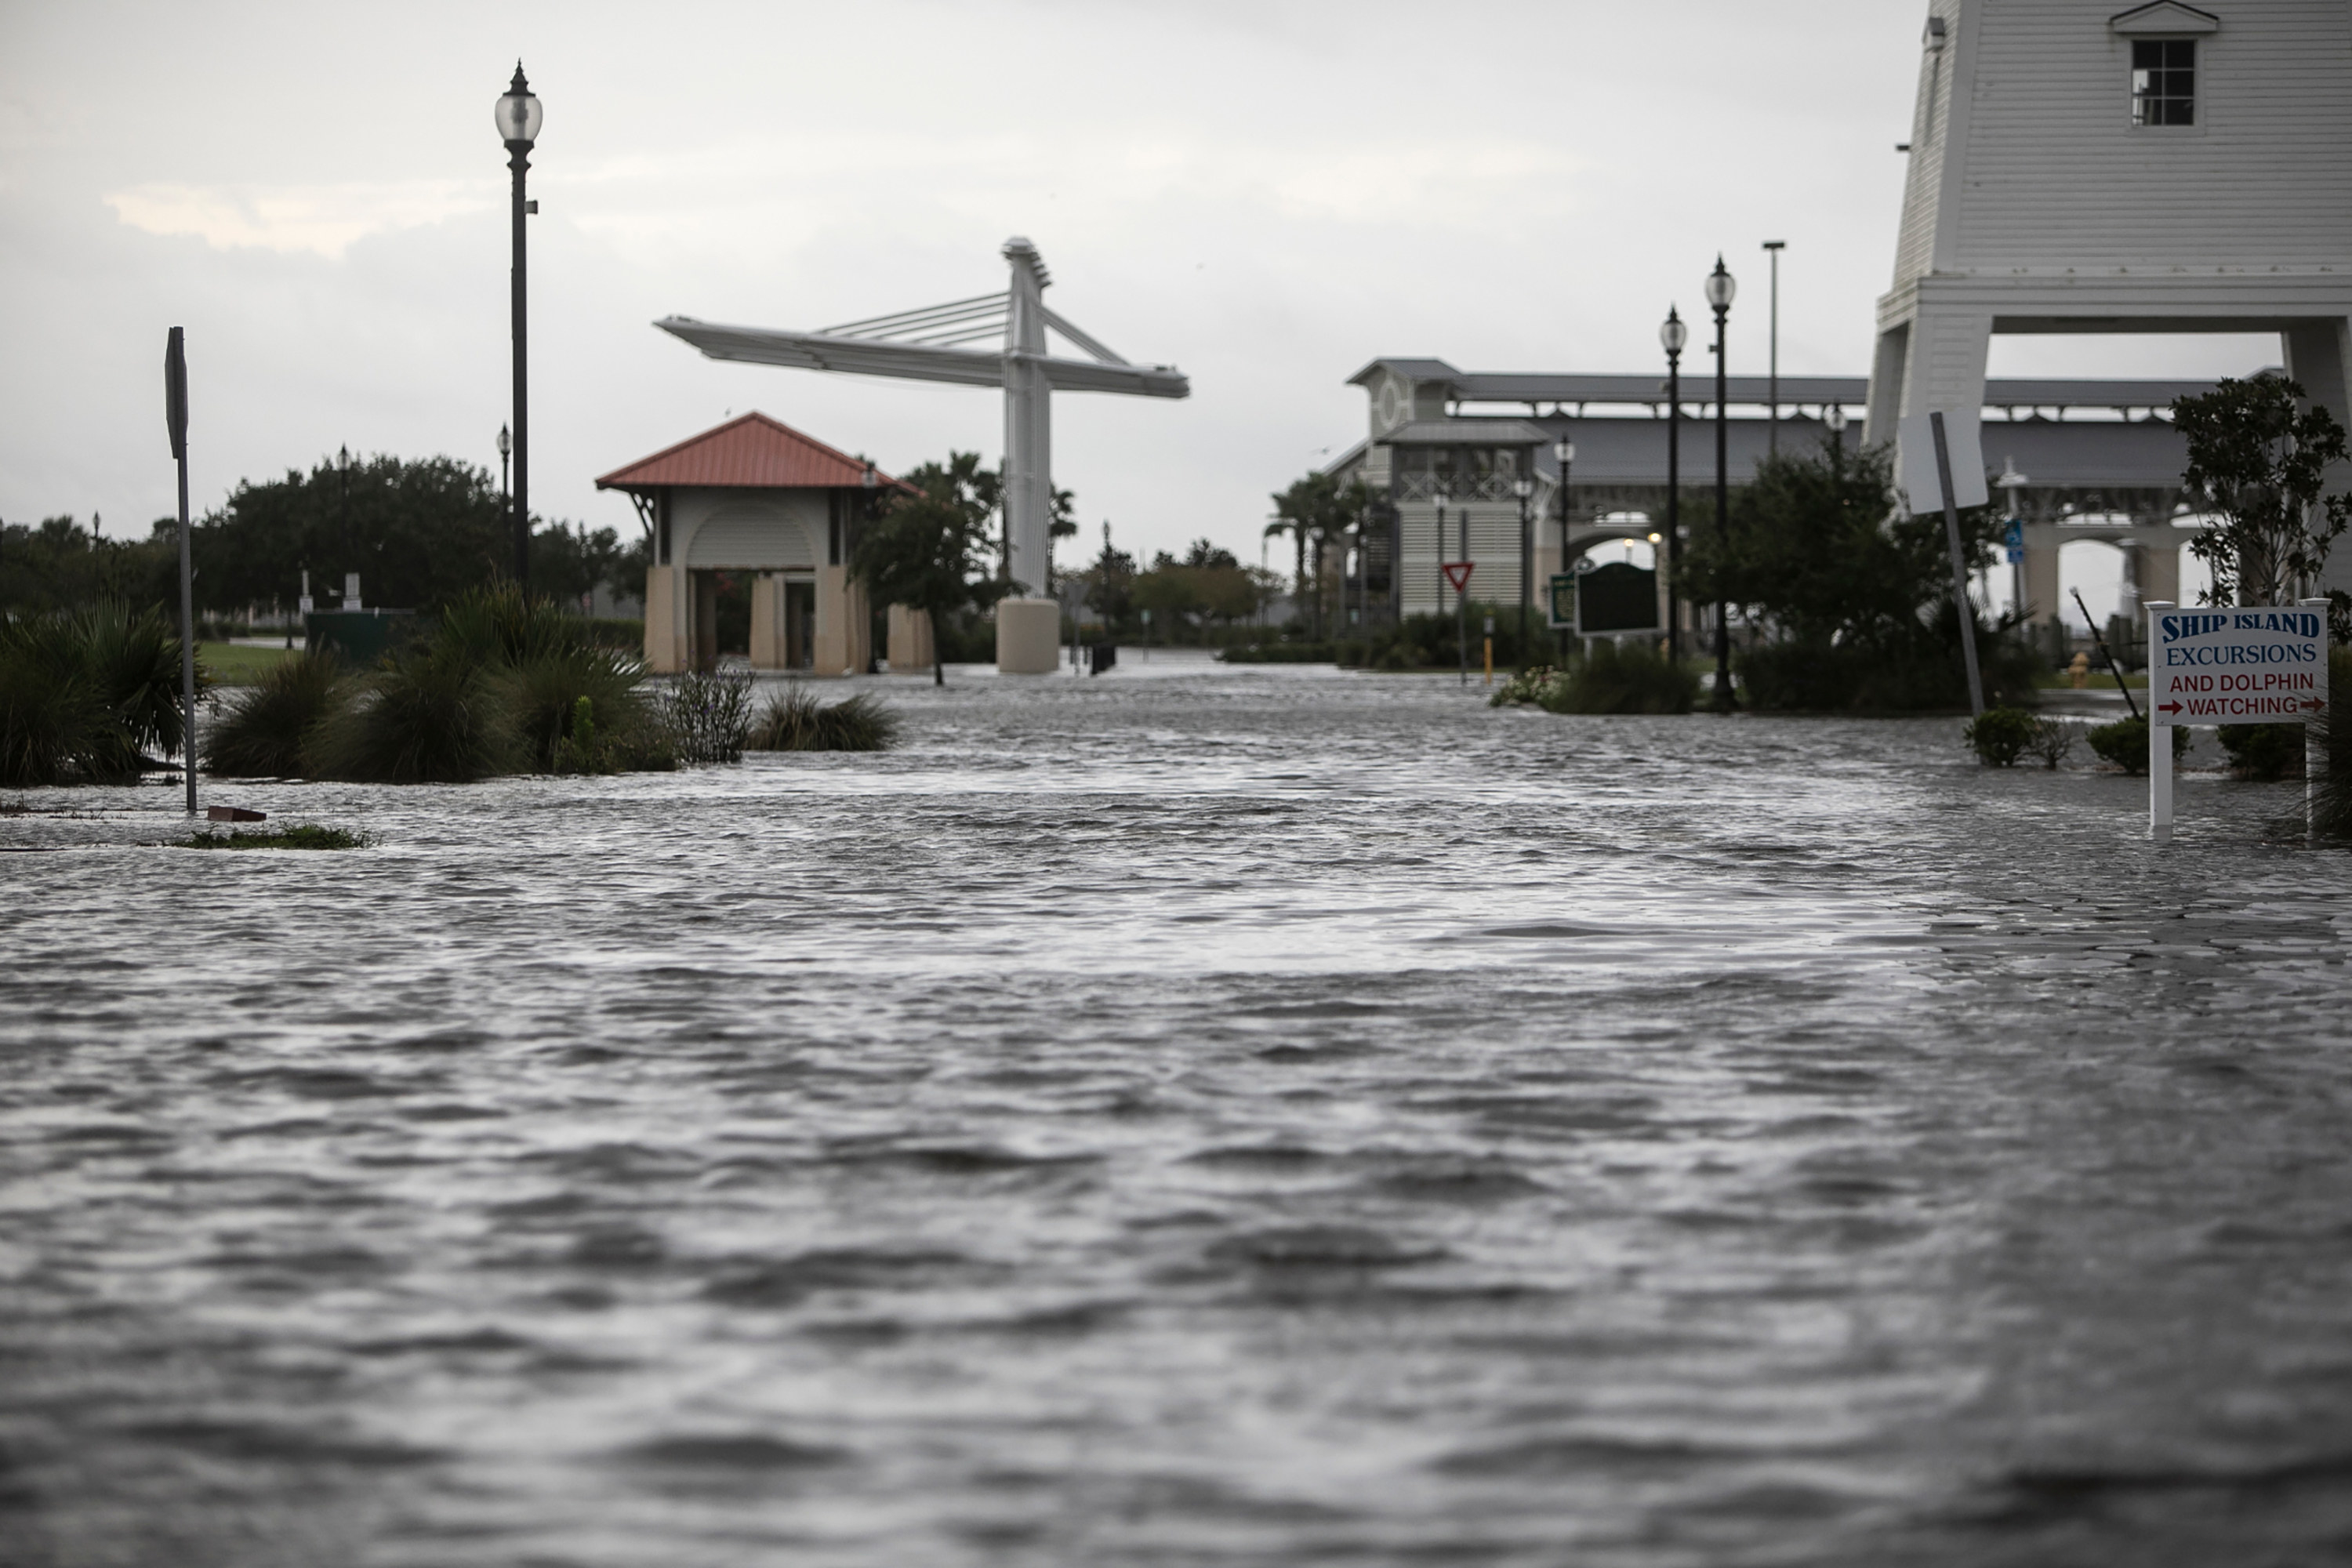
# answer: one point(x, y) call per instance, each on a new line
point(1965, 438)
point(2218, 664)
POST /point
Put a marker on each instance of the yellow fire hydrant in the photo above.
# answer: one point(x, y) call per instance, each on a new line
point(2081, 670)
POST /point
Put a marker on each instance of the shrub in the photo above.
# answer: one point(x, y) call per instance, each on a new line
point(548, 688)
point(2000, 735)
point(87, 694)
point(1921, 674)
point(707, 715)
point(2123, 743)
point(262, 731)
point(1608, 679)
point(2264, 750)
point(794, 720)
point(2054, 740)
point(435, 714)
point(298, 838)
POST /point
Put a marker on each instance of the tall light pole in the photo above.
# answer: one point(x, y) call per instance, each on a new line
point(1834, 417)
point(1564, 454)
point(1720, 288)
point(517, 115)
point(1523, 487)
point(1772, 434)
point(1673, 334)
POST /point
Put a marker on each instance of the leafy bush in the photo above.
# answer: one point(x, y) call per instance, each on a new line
point(794, 720)
point(433, 714)
point(87, 694)
point(2264, 750)
point(2000, 735)
point(262, 733)
point(2123, 743)
point(1910, 675)
point(1612, 678)
point(707, 715)
point(2054, 740)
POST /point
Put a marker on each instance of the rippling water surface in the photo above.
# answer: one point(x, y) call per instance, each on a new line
point(1228, 1119)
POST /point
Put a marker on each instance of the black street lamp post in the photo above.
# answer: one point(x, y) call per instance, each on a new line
point(517, 115)
point(1772, 360)
point(1564, 454)
point(506, 451)
point(1673, 334)
point(1720, 288)
point(1523, 487)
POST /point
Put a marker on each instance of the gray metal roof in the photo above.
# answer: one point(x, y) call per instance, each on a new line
point(1698, 386)
point(2081, 455)
point(1465, 433)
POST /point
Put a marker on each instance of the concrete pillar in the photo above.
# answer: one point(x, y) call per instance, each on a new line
point(2041, 572)
point(2128, 596)
point(2160, 569)
point(844, 625)
point(767, 621)
point(911, 649)
point(2319, 356)
point(664, 649)
point(1028, 637)
point(1943, 367)
point(1028, 422)
point(1886, 369)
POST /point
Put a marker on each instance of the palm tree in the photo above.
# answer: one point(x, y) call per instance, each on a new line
point(1298, 529)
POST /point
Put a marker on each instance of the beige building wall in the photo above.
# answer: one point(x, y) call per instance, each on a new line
point(911, 646)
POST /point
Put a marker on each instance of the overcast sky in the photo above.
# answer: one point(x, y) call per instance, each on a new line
point(1266, 196)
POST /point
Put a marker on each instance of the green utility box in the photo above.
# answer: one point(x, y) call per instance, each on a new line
point(359, 637)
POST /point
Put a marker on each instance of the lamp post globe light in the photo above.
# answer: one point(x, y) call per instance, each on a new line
point(1720, 288)
point(517, 116)
point(1673, 335)
point(506, 451)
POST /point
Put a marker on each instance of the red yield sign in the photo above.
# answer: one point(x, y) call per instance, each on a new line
point(1458, 574)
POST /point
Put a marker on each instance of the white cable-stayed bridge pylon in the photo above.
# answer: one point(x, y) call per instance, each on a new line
point(941, 342)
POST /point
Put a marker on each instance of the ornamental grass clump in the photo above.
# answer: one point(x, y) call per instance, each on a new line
point(261, 732)
point(1610, 679)
point(2000, 735)
point(431, 714)
point(794, 720)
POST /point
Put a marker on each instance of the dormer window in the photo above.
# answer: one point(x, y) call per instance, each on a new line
point(2164, 81)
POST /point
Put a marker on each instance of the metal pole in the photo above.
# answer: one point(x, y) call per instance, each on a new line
point(1960, 571)
point(1462, 595)
point(1549, 604)
point(518, 160)
point(1673, 503)
point(1526, 560)
point(175, 420)
point(1772, 431)
point(1723, 702)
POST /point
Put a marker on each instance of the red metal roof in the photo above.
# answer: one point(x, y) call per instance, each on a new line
point(752, 452)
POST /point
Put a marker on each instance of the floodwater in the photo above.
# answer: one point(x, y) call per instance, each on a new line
point(1186, 1119)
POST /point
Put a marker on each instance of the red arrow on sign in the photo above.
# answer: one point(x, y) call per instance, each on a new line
point(2168, 706)
point(1458, 574)
point(2313, 705)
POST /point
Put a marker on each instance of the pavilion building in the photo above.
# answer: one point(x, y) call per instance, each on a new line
point(756, 498)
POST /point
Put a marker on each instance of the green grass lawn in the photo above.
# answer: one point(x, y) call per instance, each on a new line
point(231, 664)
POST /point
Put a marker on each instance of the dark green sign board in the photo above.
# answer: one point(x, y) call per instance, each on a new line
point(1617, 598)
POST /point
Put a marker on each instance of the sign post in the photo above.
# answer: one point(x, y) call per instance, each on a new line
point(2258, 664)
point(1458, 574)
point(175, 422)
